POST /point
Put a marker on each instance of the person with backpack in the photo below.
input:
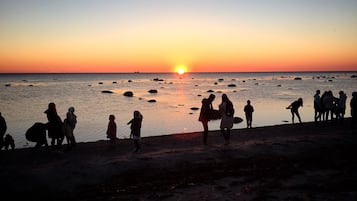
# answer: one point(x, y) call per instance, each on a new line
point(227, 111)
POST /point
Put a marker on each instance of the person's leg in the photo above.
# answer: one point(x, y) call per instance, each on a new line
point(292, 116)
point(298, 115)
point(205, 131)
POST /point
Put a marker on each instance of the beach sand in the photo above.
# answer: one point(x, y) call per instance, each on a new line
point(284, 162)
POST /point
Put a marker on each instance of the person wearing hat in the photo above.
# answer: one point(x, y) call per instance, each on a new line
point(353, 105)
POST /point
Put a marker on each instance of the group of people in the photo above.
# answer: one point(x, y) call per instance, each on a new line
point(135, 127)
point(57, 129)
point(324, 106)
point(327, 105)
point(226, 111)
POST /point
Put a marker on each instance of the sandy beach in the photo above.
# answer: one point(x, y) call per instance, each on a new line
point(284, 162)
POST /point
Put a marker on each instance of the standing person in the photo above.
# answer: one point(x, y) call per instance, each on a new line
point(69, 125)
point(227, 111)
point(205, 114)
point(55, 126)
point(135, 128)
point(328, 102)
point(112, 129)
point(3, 128)
point(341, 106)
point(317, 106)
point(9, 142)
point(294, 107)
point(248, 110)
point(353, 105)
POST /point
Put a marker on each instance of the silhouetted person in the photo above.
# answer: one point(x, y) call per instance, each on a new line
point(294, 108)
point(353, 105)
point(248, 110)
point(135, 127)
point(205, 115)
point(3, 128)
point(9, 142)
point(328, 102)
point(317, 106)
point(112, 129)
point(54, 126)
point(37, 133)
point(341, 106)
point(69, 125)
point(227, 111)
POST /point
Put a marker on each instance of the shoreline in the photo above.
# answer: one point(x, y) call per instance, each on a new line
point(270, 162)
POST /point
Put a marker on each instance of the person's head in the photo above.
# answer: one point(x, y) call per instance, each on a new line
point(317, 91)
point(354, 94)
point(71, 109)
point(248, 102)
point(211, 97)
point(225, 98)
point(111, 117)
point(341, 93)
point(52, 106)
point(300, 101)
point(136, 113)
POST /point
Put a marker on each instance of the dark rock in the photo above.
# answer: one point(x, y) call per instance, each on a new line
point(158, 80)
point(210, 91)
point(114, 82)
point(100, 83)
point(7, 85)
point(128, 94)
point(220, 79)
point(232, 85)
point(194, 108)
point(152, 91)
point(129, 80)
point(298, 78)
point(152, 101)
point(107, 92)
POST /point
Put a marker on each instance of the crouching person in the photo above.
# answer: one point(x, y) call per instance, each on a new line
point(37, 133)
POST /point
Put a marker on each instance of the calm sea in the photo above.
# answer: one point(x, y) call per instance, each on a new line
point(25, 97)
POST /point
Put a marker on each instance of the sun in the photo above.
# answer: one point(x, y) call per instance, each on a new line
point(181, 69)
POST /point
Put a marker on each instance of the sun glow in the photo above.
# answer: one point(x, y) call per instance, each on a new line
point(181, 69)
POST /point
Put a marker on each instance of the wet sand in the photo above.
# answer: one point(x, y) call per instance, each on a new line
point(284, 162)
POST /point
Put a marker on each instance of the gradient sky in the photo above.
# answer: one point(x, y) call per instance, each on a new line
point(157, 35)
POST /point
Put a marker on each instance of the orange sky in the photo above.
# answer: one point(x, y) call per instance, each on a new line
point(130, 36)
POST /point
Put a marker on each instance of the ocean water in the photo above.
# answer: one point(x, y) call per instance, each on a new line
point(25, 97)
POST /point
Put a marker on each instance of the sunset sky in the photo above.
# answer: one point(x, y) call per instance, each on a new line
point(158, 35)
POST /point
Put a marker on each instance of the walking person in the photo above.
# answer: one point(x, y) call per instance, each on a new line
point(294, 108)
point(248, 110)
point(112, 129)
point(69, 126)
point(3, 128)
point(54, 126)
point(226, 110)
point(205, 115)
point(135, 127)
point(317, 106)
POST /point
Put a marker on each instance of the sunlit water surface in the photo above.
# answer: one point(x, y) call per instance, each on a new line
point(24, 98)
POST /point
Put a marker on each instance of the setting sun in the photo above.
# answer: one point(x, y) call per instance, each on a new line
point(181, 69)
